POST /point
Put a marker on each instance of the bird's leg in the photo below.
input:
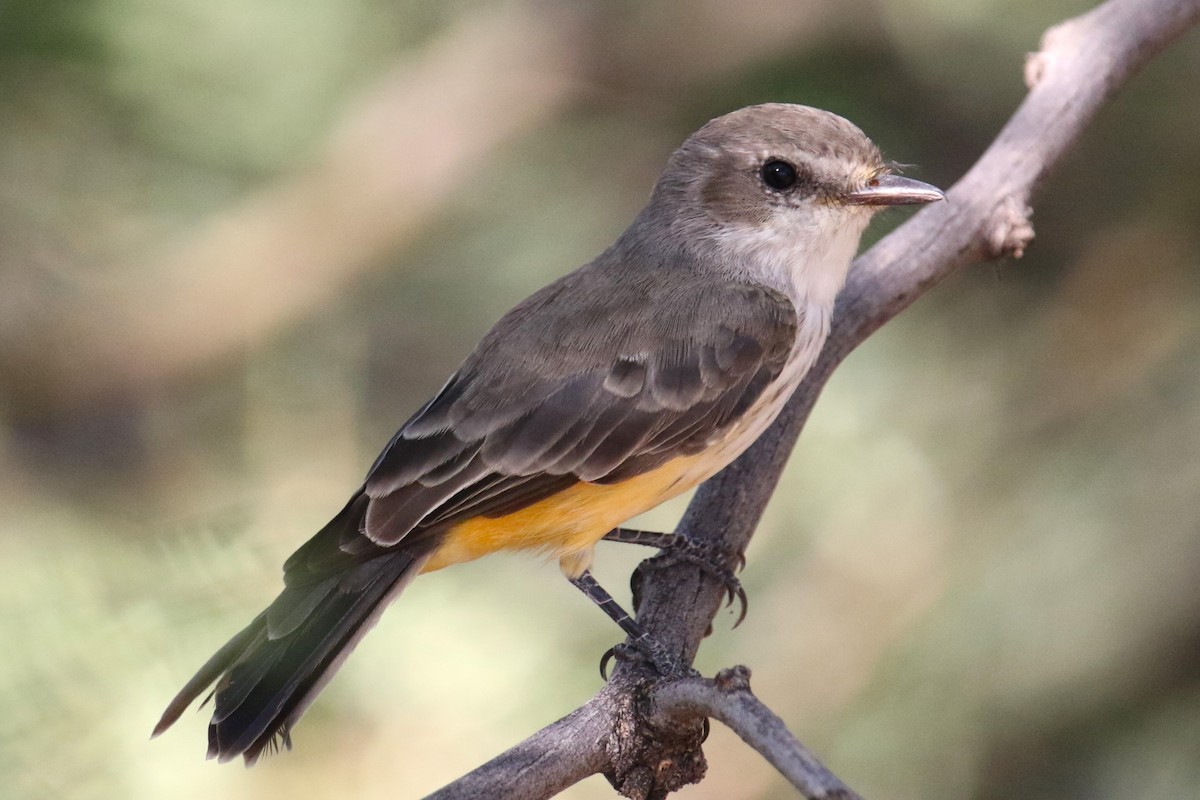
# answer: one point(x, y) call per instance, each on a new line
point(664, 661)
point(677, 549)
point(649, 538)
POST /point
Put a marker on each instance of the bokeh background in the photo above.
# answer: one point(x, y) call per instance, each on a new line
point(239, 243)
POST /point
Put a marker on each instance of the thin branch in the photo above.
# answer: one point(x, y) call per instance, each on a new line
point(1083, 61)
point(728, 698)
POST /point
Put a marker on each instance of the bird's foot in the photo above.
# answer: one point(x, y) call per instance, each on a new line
point(675, 549)
point(649, 651)
point(641, 645)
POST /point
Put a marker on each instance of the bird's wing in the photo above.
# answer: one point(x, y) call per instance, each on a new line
point(591, 379)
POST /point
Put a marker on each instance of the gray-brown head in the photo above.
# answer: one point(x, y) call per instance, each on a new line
point(779, 194)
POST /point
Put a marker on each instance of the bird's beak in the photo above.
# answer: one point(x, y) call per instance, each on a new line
point(895, 190)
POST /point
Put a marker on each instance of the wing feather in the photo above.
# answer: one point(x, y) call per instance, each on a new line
point(592, 379)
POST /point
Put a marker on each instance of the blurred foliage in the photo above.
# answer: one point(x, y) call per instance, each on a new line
point(977, 581)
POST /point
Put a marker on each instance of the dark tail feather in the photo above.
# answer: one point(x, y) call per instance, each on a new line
point(212, 669)
point(268, 673)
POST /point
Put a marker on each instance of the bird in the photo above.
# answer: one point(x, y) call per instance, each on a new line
point(617, 386)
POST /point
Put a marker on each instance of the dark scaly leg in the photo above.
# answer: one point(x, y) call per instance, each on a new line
point(666, 663)
point(648, 538)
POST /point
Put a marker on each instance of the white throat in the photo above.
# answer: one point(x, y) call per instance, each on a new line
point(805, 255)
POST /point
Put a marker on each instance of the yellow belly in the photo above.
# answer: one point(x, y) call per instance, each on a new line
point(569, 524)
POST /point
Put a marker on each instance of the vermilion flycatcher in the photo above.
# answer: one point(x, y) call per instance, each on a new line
point(616, 387)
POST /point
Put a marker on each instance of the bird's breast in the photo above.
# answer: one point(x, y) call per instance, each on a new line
point(811, 332)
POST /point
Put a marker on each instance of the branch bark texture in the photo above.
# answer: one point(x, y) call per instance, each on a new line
point(728, 699)
point(1081, 63)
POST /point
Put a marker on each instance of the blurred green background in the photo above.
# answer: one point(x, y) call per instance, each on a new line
point(239, 243)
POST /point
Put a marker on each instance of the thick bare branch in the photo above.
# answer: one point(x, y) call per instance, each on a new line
point(559, 755)
point(1083, 61)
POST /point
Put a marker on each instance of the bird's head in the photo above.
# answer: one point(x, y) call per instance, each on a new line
point(781, 194)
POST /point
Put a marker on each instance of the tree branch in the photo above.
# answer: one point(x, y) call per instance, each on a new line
point(1082, 62)
point(728, 698)
point(556, 757)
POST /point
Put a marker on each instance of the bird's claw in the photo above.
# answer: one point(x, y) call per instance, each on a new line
point(648, 651)
point(711, 559)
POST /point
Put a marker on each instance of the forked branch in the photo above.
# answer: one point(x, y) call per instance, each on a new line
point(728, 698)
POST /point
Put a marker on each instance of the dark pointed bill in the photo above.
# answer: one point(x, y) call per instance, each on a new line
point(895, 190)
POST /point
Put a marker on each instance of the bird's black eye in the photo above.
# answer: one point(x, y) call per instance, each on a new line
point(779, 175)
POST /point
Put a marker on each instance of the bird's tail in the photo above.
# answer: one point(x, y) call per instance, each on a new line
point(267, 674)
